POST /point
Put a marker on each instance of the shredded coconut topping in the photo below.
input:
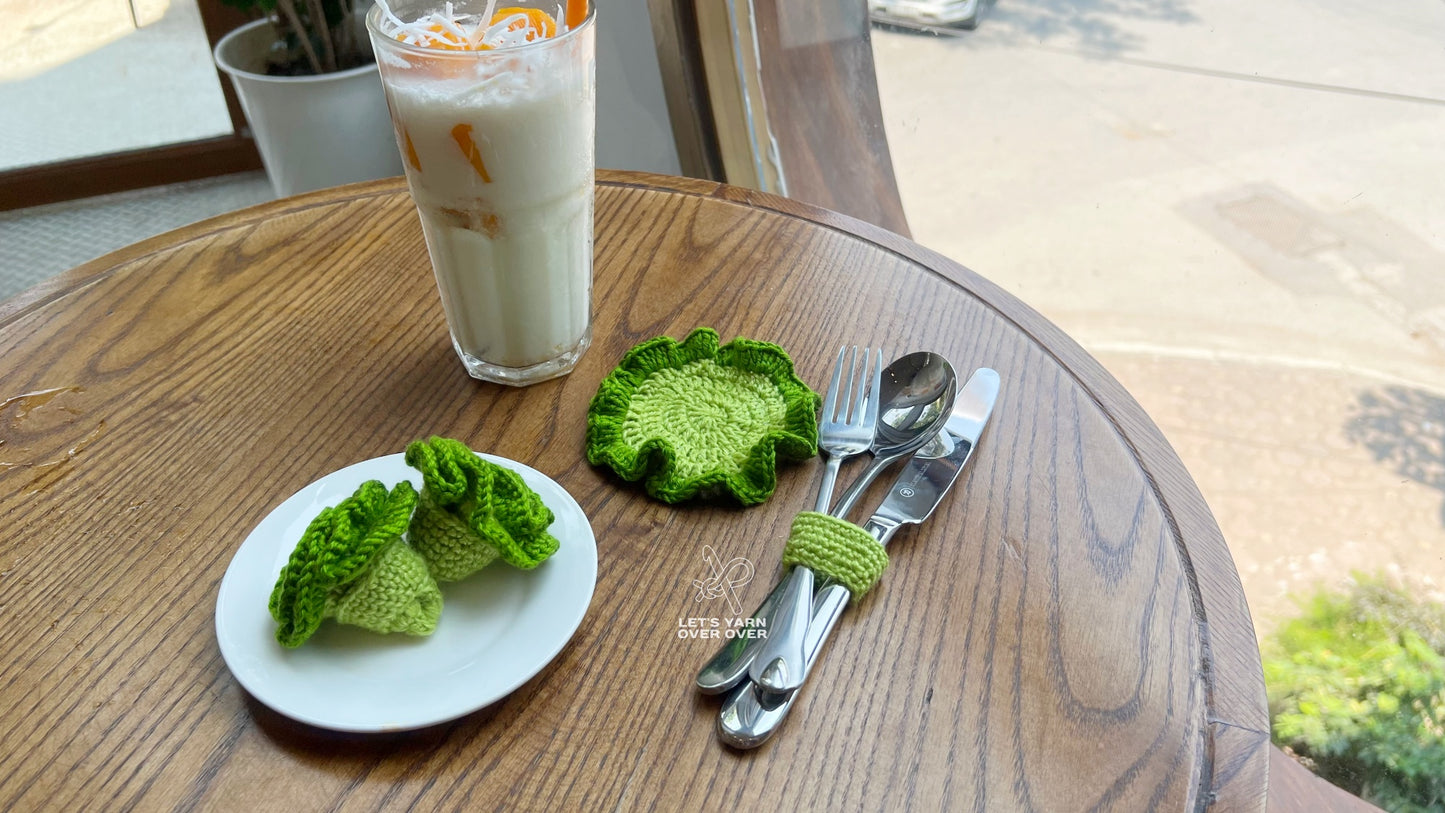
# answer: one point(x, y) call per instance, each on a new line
point(449, 30)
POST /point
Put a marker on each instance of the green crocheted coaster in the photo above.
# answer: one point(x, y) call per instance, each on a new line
point(352, 565)
point(836, 549)
point(698, 419)
point(472, 512)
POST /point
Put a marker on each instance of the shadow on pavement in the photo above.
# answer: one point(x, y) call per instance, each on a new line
point(1090, 24)
point(1405, 429)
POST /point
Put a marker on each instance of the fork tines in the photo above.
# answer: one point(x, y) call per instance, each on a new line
point(837, 408)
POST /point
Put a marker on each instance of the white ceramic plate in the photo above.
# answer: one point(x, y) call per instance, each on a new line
point(498, 627)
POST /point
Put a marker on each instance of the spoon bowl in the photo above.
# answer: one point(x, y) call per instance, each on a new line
point(916, 390)
point(917, 395)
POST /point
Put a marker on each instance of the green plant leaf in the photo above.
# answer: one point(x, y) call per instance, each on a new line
point(1357, 685)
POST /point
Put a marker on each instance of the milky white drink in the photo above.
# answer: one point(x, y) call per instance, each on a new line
point(498, 144)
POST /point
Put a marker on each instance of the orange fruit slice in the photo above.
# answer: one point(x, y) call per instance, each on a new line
point(462, 134)
point(538, 23)
point(576, 13)
point(411, 155)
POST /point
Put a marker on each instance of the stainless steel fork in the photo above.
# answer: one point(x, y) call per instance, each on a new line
point(850, 417)
point(845, 429)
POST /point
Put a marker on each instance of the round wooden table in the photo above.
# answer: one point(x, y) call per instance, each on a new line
point(1066, 632)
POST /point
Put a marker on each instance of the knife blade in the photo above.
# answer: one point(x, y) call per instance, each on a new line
point(748, 717)
point(932, 470)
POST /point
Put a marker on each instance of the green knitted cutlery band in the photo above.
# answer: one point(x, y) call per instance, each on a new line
point(836, 549)
point(491, 512)
point(347, 557)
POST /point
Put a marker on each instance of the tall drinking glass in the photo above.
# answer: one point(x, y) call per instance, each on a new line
point(499, 149)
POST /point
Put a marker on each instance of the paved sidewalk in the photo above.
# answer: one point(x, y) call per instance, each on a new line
point(1312, 474)
point(1235, 206)
point(79, 78)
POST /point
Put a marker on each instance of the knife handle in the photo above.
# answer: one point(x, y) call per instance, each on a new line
point(782, 663)
point(730, 665)
point(749, 717)
point(734, 659)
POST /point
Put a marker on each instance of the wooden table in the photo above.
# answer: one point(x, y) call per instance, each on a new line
point(1067, 631)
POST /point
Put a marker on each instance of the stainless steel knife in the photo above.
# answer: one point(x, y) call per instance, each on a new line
point(749, 716)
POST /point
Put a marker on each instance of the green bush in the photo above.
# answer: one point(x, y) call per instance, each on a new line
point(1357, 687)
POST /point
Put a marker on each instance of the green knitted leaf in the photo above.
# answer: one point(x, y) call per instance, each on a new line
point(695, 419)
point(396, 594)
point(351, 564)
point(472, 512)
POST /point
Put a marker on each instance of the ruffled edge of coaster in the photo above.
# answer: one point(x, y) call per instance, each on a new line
point(656, 460)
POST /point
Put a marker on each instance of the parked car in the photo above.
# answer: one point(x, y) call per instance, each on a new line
point(928, 13)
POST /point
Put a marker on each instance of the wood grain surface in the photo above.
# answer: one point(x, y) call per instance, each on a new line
point(1067, 632)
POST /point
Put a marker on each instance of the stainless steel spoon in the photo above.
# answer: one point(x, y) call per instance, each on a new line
point(918, 392)
point(916, 396)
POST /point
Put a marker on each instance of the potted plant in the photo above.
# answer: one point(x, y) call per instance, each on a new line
point(307, 81)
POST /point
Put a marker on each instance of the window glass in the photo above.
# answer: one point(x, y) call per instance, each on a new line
point(1234, 206)
point(81, 78)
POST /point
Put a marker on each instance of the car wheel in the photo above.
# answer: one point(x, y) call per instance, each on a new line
point(972, 21)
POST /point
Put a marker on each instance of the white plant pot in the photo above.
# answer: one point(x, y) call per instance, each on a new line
point(312, 131)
